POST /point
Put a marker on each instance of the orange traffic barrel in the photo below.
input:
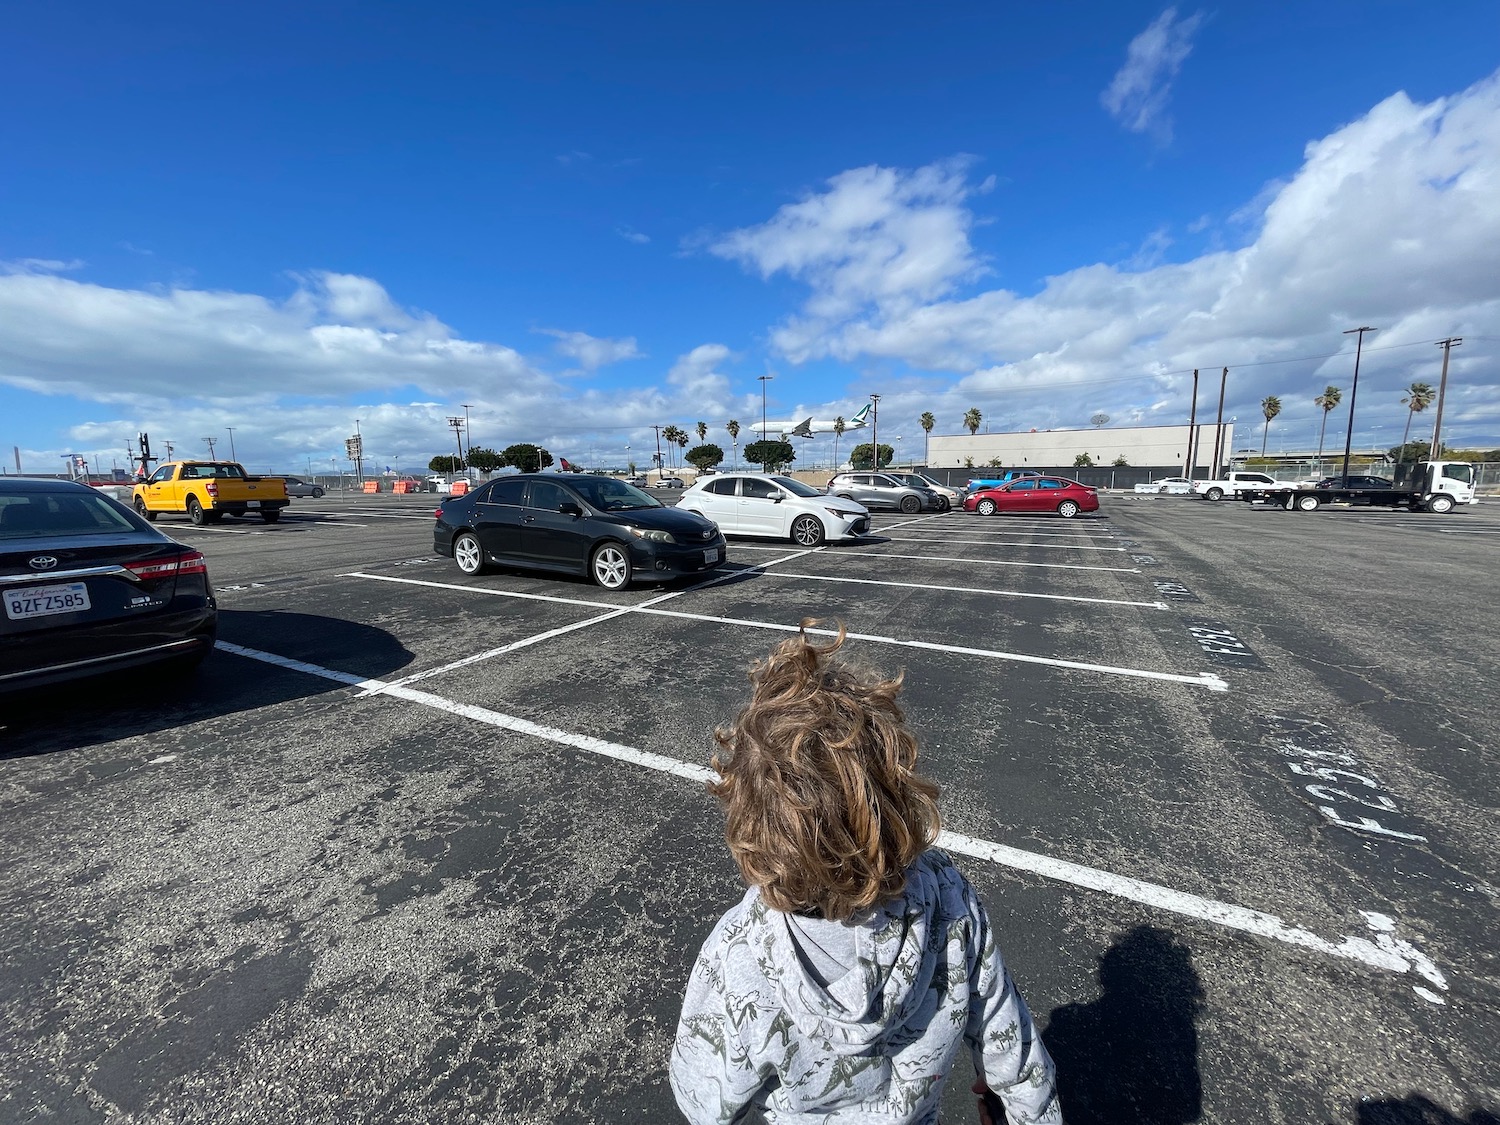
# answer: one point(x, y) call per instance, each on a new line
point(459, 487)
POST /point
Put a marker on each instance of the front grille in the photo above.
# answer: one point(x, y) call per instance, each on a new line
point(861, 525)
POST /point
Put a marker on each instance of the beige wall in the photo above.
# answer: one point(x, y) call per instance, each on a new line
point(1139, 445)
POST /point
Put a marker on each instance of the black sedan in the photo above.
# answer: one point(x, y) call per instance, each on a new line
point(90, 587)
point(599, 527)
point(1354, 482)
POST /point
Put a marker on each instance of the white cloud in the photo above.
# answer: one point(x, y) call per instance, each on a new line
point(1137, 98)
point(630, 234)
point(39, 265)
point(695, 376)
point(593, 352)
point(1391, 220)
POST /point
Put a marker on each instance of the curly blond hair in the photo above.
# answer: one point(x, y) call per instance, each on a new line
point(824, 809)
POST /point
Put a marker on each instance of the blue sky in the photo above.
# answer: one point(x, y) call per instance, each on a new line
point(585, 219)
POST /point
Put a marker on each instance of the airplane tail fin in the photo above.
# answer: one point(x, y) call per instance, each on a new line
point(862, 417)
point(803, 428)
point(563, 461)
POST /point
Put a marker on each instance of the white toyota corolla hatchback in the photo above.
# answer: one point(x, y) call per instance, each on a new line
point(778, 507)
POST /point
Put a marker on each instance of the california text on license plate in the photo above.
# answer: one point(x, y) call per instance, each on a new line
point(44, 601)
point(711, 556)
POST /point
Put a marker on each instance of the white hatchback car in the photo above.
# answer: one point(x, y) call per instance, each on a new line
point(778, 507)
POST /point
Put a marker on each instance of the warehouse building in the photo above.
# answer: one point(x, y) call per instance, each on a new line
point(1160, 447)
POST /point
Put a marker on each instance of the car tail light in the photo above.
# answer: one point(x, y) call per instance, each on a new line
point(189, 562)
point(437, 515)
point(212, 489)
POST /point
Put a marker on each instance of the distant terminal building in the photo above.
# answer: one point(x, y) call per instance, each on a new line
point(1157, 446)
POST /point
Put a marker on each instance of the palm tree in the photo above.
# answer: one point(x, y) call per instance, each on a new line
point(1419, 397)
point(972, 418)
point(669, 435)
point(682, 440)
point(1325, 402)
point(928, 421)
point(734, 436)
point(1270, 406)
point(702, 432)
point(839, 426)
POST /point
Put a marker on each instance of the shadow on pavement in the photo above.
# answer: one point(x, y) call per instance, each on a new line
point(144, 701)
point(1132, 1054)
point(1418, 1109)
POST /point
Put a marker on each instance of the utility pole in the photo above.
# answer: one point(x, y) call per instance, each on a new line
point(1437, 422)
point(1213, 473)
point(210, 442)
point(1359, 343)
point(1187, 464)
point(232, 456)
point(458, 437)
point(764, 379)
point(468, 444)
point(658, 453)
point(874, 434)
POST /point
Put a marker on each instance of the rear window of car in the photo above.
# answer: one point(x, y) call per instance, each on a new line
point(723, 487)
point(505, 492)
point(1049, 482)
point(46, 514)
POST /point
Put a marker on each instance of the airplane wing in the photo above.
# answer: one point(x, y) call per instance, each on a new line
point(803, 428)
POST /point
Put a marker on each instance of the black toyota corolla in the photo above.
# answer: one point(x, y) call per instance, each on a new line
point(599, 527)
point(90, 587)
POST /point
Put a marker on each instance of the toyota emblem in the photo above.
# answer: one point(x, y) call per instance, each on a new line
point(43, 562)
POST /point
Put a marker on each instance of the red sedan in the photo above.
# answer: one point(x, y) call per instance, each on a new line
point(1035, 494)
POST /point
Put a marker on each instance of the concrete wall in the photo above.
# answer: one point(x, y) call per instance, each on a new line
point(1139, 445)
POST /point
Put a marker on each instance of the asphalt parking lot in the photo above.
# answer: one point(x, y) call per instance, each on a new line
point(417, 847)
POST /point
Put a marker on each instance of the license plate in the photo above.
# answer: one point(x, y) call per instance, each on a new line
point(711, 556)
point(253, 504)
point(44, 601)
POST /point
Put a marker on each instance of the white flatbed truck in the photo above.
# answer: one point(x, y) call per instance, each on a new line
point(1431, 486)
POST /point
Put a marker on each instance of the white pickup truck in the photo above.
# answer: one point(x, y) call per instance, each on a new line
point(1234, 483)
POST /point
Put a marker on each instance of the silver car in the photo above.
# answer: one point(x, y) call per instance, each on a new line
point(948, 497)
point(295, 486)
point(881, 490)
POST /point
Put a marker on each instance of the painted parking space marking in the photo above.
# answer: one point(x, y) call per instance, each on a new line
point(1222, 646)
point(982, 562)
point(1209, 680)
point(1175, 591)
point(990, 543)
point(1383, 950)
point(967, 590)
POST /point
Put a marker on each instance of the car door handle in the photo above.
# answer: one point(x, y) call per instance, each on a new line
point(528, 519)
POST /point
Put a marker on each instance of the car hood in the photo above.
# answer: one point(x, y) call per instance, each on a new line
point(662, 519)
point(839, 504)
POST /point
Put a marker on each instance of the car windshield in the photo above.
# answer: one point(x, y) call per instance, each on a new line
point(796, 487)
point(611, 495)
point(48, 514)
point(923, 478)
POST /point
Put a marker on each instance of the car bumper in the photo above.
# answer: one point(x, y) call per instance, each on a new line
point(30, 660)
point(677, 560)
point(847, 526)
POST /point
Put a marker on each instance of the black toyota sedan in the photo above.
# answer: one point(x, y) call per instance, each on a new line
point(599, 527)
point(90, 587)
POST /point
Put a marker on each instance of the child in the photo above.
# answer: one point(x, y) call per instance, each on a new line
point(843, 985)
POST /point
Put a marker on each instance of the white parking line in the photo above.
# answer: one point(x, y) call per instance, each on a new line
point(1208, 680)
point(1386, 951)
point(968, 590)
point(979, 562)
point(217, 530)
point(992, 543)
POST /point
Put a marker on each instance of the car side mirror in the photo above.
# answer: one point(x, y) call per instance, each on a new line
point(568, 508)
point(778, 498)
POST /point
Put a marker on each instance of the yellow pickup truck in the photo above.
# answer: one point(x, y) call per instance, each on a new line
point(208, 491)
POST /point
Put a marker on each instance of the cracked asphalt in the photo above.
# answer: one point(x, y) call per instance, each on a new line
point(270, 894)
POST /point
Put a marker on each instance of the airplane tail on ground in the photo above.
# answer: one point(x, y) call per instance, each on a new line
point(567, 468)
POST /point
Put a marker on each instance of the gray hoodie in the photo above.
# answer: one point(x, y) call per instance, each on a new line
point(811, 1020)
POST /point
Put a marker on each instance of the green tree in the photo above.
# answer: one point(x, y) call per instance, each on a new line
point(445, 463)
point(1082, 461)
point(839, 426)
point(1120, 462)
point(673, 435)
point(859, 456)
point(994, 463)
point(733, 427)
point(1419, 397)
point(972, 419)
point(771, 455)
point(927, 421)
point(706, 456)
point(526, 457)
point(485, 460)
point(1270, 406)
point(1414, 451)
point(1325, 402)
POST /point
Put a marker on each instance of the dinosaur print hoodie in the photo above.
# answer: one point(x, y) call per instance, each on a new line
point(811, 1020)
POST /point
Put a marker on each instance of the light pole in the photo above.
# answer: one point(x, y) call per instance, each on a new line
point(627, 457)
point(764, 379)
point(874, 432)
point(468, 443)
point(232, 456)
point(1359, 342)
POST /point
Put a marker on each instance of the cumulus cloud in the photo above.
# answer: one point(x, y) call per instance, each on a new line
point(1391, 220)
point(593, 352)
point(695, 376)
point(1137, 97)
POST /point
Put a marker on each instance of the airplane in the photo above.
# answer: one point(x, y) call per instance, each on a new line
point(810, 426)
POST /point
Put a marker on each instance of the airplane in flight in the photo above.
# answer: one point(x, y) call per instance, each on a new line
point(810, 426)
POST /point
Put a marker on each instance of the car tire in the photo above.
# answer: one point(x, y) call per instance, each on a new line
point(468, 554)
point(317, 494)
point(844, 496)
point(271, 515)
point(609, 566)
point(910, 504)
point(986, 507)
point(1214, 494)
point(807, 531)
point(943, 504)
point(1440, 504)
point(1068, 509)
point(144, 512)
point(195, 512)
point(1306, 503)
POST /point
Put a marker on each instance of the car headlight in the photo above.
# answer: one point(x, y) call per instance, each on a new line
point(839, 513)
point(653, 534)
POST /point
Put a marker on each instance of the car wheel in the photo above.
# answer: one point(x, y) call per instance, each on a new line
point(807, 531)
point(843, 496)
point(196, 512)
point(910, 504)
point(610, 566)
point(271, 515)
point(468, 554)
point(1215, 494)
point(1440, 504)
point(1307, 503)
point(144, 512)
point(1068, 509)
point(943, 504)
point(986, 507)
point(317, 494)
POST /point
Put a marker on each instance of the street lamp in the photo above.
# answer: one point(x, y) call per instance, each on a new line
point(1353, 392)
point(764, 379)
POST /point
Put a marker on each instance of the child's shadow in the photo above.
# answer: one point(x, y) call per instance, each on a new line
point(1132, 1054)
